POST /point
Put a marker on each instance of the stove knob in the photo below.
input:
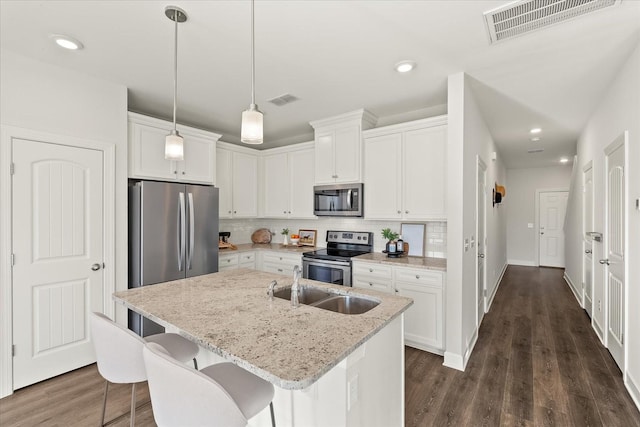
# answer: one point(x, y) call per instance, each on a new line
point(359, 238)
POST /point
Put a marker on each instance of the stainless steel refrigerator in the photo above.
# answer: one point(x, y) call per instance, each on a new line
point(173, 234)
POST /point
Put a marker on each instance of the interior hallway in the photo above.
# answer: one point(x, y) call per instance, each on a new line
point(537, 362)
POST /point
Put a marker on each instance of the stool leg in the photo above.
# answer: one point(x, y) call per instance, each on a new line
point(273, 417)
point(104, 402)
point(133, 405)
point(195, 363)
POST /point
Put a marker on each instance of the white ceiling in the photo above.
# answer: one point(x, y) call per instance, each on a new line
point(337, 56)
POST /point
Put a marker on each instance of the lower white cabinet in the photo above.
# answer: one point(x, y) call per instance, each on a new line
point(232, 261)
point(280, 262)
point(424, 320)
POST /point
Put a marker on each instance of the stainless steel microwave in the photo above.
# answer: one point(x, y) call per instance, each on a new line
point(338, 200)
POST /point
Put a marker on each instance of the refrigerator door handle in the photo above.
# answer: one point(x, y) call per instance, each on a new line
point(192, 232)
point(181, 231)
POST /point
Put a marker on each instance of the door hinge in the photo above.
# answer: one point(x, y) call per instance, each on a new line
point(12, 168)
point(13, 350)
point(621, 338)
point(13, 259)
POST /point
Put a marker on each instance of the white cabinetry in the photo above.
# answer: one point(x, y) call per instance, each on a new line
point(280, 262)
point(288, 182)
point(146, 152)
point(405, 170)
point(237, 177)
point(232, 261)
point(338, 147)
point(424, 320)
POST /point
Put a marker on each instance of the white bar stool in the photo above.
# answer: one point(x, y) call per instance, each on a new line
point(222, 394)
point(119, 355)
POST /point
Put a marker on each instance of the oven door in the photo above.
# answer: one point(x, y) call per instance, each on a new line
point(335, 272)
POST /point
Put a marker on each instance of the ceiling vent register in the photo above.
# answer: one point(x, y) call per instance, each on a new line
point(520, 17)
point(283, 99)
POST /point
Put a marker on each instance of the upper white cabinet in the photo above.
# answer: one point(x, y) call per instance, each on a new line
point(237, 178)
point(405, 170)
point(288, 182)
point(338, 147)
point(146, 152)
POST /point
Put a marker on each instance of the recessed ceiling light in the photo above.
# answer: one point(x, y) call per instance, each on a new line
point(66, 42)
point(405, 66)
point(536, 139)
point(535, 130)
point(564, 160)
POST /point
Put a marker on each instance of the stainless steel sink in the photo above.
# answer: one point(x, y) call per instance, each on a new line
point(346, 304)
point(307, 295)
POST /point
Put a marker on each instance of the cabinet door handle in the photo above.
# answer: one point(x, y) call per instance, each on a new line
point(370, 284)
point(399, 212)
point(235, 211)
point(371, 270)
point(182, 172)
point(417, 276)
point(284, 212)
point(396, 291)
point(175, 172)
point(280, 270)
point(406, 212)
point(229, 211)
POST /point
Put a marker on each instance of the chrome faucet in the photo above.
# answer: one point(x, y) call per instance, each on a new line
point(295, 288)
point(272, 285)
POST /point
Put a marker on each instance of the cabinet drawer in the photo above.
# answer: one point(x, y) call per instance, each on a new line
point(418, 276)
point(227, 260)
point(276, 258)
point(277, 268)
point(370, 269)
point(246, 257)
point(372, 283)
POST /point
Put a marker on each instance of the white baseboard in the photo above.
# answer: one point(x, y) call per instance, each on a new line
point(573, 288)
point(522, 262)
point(497, 285)
point(454, 361)
point(633, 387)
point(470, 347)
point(596, 327)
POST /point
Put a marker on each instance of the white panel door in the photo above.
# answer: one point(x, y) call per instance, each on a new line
point(614, 249)
point(58, 248)
point(276, 186)
point(481, 205)
point(302, 179)
point(553, 206)
point(587, 261)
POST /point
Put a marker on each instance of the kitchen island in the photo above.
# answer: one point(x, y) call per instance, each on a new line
point(328, 368)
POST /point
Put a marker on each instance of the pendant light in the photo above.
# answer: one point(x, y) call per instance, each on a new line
point(251, 131)
point(174, 144)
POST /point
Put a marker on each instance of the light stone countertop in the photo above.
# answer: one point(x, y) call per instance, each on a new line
point(248, 247)
point(408, 261)
point(230, 314)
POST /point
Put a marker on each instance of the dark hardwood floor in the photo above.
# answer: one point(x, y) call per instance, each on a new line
point(537, 362)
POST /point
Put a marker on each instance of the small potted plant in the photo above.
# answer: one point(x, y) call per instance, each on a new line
point(285, 233)
point(391, 237)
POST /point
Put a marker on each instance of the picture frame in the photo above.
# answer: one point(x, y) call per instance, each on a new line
point(415, 235)
point(307, 237)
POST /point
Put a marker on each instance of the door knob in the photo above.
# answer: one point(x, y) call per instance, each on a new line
point(480, 255)
point(604, 261)
point(542, 232)
point(588, 251)
point(95, 267)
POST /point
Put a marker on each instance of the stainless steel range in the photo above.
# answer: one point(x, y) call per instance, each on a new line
point(333, 264)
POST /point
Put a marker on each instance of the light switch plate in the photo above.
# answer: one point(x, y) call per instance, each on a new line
point(529, 225)
point(466, 245)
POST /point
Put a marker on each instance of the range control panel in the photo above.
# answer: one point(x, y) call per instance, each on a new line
point(351, 237)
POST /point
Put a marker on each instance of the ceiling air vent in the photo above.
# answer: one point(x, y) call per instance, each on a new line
point(535, 150)
point(523, 16)
point(281, 100)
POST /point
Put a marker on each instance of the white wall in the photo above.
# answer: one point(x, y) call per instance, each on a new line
point(520, 204)
point(618, 111)
point(468, 138)
point(55, 100)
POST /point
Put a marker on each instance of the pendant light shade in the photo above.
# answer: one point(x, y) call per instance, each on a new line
point(251, 125)
point(174, 146)
point(174, 143)
point(251, 131)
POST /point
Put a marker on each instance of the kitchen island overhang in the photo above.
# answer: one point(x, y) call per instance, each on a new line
point(230, 314)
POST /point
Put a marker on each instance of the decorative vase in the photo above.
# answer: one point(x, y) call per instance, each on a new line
point(391, 247)
point(285, 240)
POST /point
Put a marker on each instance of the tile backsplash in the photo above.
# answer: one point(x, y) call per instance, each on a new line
point(241, 230)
